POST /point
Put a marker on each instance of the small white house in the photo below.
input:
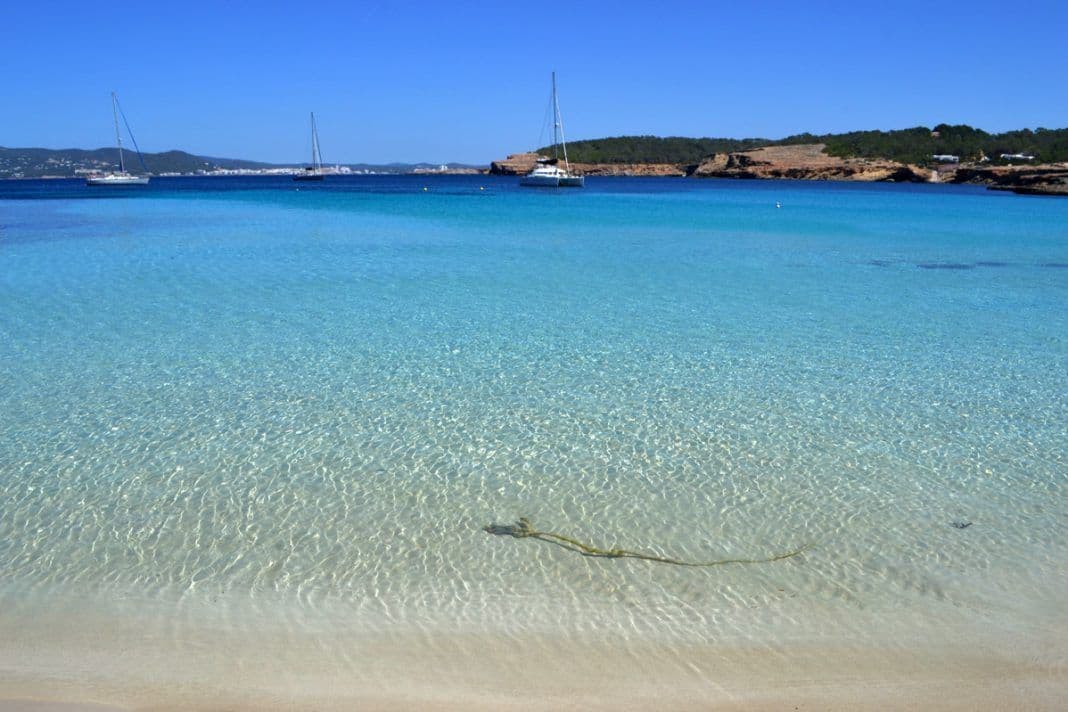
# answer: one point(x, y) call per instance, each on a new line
point(1017, 157)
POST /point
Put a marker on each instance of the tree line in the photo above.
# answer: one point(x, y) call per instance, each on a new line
point(916, 145)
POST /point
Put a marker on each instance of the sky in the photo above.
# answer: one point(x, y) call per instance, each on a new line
point(469, 81)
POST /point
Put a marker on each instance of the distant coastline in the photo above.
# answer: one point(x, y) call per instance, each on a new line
point(44, 163)
point(285, 172)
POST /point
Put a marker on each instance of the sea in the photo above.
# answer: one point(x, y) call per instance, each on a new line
point(268, 441)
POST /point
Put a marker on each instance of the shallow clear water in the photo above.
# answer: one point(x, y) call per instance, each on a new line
point(232, 401)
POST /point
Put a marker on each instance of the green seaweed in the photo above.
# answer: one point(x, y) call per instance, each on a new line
point(523, 529)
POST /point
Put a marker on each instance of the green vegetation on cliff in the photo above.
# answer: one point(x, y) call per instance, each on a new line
point(653, 149)
point(915, 145)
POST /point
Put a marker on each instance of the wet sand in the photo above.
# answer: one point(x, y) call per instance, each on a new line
point(528, 672)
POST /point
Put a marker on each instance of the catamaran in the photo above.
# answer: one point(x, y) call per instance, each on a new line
point(315, 170)
point(121, 177)
point(548, 172)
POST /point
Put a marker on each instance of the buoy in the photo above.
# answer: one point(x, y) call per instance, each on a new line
point(778, 204)
point(424, 188)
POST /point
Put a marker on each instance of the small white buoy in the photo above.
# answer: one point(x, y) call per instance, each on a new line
point(778, 204)
point(424, 188)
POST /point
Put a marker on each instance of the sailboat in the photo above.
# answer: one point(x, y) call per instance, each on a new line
point(121, 177)
point(315, 170)
point(548, 172)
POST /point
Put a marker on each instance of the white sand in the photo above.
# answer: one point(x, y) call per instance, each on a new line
point(117, 669)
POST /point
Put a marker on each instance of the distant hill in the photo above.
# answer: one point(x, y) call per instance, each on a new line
point(915, 145)
point(37, 162)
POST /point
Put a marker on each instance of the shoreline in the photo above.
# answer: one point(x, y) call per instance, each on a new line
point(808, 162)
point(208, 653)
point(487, 672)
point(1034, 181)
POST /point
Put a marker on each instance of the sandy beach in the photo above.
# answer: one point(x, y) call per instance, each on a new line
point(113, 665)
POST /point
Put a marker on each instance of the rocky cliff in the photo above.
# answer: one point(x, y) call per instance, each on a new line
point(805, 162)
point(809, 162)
point(514, 165)
point(1034, 180)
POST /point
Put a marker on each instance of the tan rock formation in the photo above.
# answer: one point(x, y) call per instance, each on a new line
point(514, 165)
point(805, 162)
point(629, 169)
point(809, 162)
point(1051, 179)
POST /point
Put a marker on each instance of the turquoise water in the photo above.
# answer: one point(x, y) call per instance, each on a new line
point(234, 402)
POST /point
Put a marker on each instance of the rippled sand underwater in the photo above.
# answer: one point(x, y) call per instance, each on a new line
point(273, 425)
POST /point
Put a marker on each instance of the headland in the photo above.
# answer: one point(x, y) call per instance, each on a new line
point(812, 162)
point(1024, 161)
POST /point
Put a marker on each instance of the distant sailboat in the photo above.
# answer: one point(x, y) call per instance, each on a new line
point(315, 170)
point(121, 177)
point(548, 172)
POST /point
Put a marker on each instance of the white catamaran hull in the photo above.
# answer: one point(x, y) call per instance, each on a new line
point(540, 181)
point(542, 178)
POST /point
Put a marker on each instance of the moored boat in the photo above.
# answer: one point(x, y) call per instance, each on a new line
point(545, 174)
point(116, 179)
point(121, 176)
point(548, 173)
point(315, 170)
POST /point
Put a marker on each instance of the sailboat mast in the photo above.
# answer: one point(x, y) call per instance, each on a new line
point(555, 120)
point(118, 134)
point(317, 158)
point(558, 127)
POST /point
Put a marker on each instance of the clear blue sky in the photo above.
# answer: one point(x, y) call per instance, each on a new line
point(469, 81)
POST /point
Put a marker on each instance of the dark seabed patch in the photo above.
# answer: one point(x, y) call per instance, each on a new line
point(1055, 265)
point(945, 265)
point(991, 264)
point(880, 263)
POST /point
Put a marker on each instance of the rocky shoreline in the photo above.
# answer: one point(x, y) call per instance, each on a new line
point(520, 163)
point(809, 162)
point(1030, 180)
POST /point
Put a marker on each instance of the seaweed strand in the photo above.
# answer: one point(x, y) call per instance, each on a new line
point(524, 529)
